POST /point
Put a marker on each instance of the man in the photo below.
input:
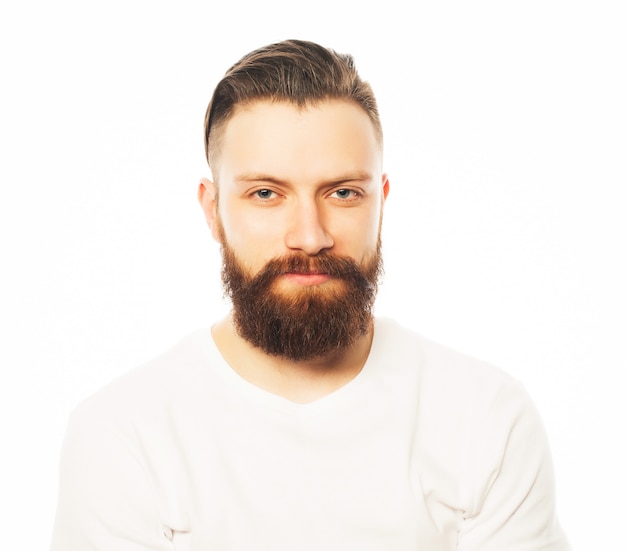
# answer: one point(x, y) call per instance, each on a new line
point(300, 422)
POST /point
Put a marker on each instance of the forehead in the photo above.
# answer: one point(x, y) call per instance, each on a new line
point(332, 134)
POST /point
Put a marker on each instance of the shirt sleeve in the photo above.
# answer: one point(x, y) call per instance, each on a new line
point(514, 505)
point(106, 501)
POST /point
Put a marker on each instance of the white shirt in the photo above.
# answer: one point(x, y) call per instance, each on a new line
point(425, 449)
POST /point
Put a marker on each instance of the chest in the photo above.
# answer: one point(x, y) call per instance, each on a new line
point(352, 484)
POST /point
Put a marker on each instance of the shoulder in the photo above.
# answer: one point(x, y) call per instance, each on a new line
point(460, 402)
point(440, 369)
point(120, 462)
point(153, 385)
point(480, 445)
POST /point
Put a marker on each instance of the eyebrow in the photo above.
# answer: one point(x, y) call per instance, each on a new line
point(251, 177)
point(258, 177)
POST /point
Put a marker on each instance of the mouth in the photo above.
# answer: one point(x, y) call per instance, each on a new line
point(307, 278)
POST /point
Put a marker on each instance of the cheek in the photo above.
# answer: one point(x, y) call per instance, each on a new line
point(375, 217)
point(253, 239)
point(358, 236)
point(248, 230)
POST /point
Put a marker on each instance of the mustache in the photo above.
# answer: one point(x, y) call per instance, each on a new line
point(334, 266)
point(339, 267)
point(236, 279)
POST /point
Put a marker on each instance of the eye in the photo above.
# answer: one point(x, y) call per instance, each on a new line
point(346, 194)
point(264, 194)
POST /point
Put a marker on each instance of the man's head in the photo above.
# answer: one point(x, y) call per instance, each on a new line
point(301, 191)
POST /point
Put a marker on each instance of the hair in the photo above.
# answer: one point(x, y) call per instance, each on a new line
point(295, 71)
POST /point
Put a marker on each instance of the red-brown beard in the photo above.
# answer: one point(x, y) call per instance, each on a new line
point(307, 322)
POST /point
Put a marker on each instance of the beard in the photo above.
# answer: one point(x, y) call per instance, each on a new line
point(307, 322)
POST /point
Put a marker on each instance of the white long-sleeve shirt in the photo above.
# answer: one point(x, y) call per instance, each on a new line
point(425, 449)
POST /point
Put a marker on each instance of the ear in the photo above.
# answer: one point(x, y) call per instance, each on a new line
point(207, 194)
point(385, 182)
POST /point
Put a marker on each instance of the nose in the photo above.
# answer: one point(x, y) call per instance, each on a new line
point(307, 231)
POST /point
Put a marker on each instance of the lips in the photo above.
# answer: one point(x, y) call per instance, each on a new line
point(307, 278)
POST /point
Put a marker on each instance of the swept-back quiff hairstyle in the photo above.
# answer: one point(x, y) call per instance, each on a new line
point(295, 71)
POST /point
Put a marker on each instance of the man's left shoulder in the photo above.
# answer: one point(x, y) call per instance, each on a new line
point(442, 372)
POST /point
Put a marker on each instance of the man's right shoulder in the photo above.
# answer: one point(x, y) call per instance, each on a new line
point(152, 385)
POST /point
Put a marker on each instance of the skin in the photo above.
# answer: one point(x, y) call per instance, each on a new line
point(296, 180)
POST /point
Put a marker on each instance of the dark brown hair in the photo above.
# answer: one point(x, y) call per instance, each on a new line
point(296, 71)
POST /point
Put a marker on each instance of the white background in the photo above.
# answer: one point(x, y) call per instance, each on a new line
point(504, 229)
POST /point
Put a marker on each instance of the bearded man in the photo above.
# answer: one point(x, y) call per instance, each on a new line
point(300, 421)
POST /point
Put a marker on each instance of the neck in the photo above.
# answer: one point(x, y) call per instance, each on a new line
point(298, 381)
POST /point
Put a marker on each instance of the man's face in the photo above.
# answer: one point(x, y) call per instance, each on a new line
point(300, 202)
